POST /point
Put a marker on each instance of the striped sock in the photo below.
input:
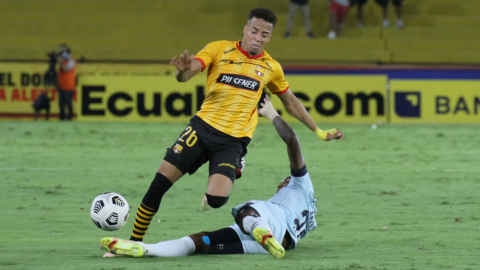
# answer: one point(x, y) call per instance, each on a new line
point(149, 207)
point(142, 221)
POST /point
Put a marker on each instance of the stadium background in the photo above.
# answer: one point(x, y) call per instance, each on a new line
point(401, 196)
point(132, 39)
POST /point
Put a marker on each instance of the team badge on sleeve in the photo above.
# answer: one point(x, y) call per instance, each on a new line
point(260, 71)
point(178, 149)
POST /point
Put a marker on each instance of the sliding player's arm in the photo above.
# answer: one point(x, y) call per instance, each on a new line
point(296, 108)
point(286, 133)
point(187, 66)
point(278, 85)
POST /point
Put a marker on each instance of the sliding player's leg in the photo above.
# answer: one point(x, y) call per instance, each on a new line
point(251, 223)
point(174, 248)
point(223, 241)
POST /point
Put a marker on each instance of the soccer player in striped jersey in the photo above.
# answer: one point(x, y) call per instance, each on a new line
point(220, 132)
point(261, 227)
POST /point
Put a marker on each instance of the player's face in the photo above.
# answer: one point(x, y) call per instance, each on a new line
point(257, 34)
point(284, 183)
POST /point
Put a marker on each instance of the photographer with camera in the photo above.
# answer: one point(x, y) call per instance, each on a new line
point(42, 102)
point(66, 81)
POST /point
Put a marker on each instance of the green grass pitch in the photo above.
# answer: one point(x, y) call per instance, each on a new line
point(397, 197)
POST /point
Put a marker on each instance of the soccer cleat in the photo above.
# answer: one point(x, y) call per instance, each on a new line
point(122, 247)
point(266, 239)
point(240, 170)
point(238, 174)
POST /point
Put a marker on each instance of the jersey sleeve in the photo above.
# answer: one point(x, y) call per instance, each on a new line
point(278, 84)
point(301, 179)
point(208, 54)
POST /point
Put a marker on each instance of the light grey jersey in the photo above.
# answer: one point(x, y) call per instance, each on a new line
point(291, 209)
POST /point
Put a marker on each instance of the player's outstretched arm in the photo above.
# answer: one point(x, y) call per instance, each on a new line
point(286, 133)
point(187, 66)
point(296, 108)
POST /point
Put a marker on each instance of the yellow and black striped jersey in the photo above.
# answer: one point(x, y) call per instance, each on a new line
point(235, 83)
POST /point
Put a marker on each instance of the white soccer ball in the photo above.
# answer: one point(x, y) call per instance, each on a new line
point(109, 211)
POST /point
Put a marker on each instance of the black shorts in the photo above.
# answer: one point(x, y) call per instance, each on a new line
point(384, 3)
point(200, 142)
point(225, 241)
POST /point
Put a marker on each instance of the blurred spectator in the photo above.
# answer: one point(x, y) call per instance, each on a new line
point(50, 76)
point(66, 82)
point(337, 13)
point(293, 8)
point(398, 9)
point(42, 102)
point(360, 4)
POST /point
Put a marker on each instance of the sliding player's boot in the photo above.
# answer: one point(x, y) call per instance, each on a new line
point(122, 247)
point(266, 239)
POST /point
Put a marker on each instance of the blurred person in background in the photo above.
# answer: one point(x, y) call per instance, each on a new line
point(293, 8)
point(360, 4)
point(337, 13)
point(66, 82)
point(398, 9)
point(42, 102)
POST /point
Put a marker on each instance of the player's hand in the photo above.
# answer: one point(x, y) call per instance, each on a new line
point(266, 100)
point(337, 136)
point(267, 109)
point(183, 62)
point(328, 135)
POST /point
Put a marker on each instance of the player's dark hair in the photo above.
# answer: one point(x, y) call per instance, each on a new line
point(263, 13)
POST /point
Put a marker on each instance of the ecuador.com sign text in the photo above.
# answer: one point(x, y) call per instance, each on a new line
point(359, 99)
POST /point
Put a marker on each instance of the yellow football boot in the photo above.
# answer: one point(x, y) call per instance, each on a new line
point(266, 239)
point(122, 247)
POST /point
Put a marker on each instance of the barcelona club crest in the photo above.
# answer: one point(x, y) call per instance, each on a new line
point(260, 71)
point(178, 149)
